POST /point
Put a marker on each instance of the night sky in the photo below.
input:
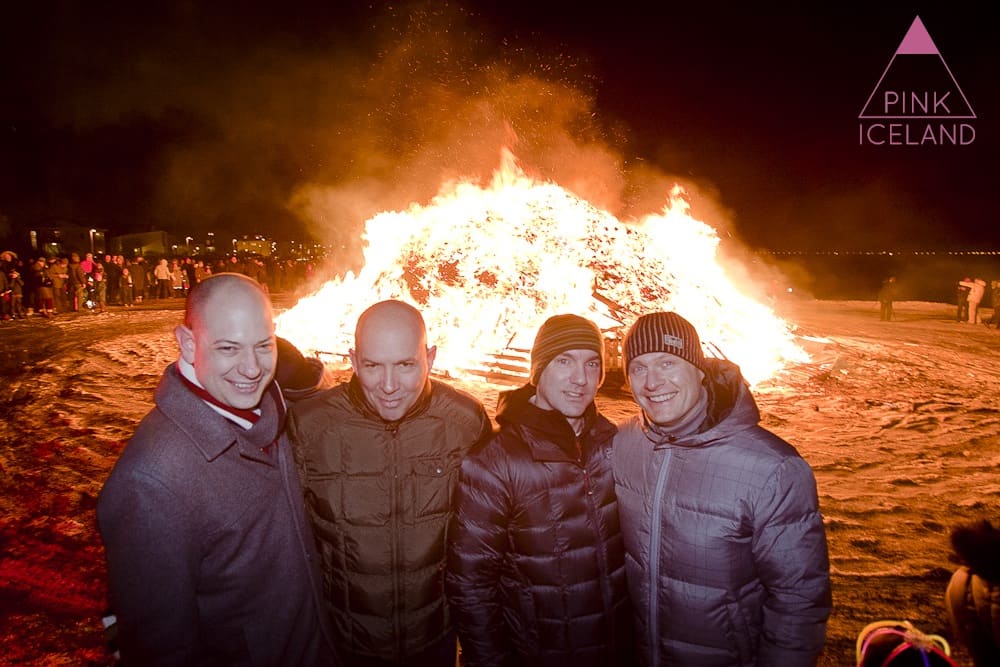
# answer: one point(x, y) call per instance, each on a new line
point(294, 118)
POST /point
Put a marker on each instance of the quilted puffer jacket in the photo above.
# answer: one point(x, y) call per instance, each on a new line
point(536, 560)
point(379, 495)
point(726, 552)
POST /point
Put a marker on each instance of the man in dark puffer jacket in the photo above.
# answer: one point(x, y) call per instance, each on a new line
point(726, 551)
point(536, 560)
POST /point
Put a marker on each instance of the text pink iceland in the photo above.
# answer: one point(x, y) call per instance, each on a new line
point(917, 100)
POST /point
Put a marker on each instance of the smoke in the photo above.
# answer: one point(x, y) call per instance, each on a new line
point(254, 120)
point(843, 239)
point(438, 104)
point(440, 101)
point(187, 118)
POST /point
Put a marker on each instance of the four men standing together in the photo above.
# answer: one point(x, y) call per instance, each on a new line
point(692, 536)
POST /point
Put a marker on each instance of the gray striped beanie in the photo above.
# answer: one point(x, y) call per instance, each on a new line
point(664, 332)
point(559, 334)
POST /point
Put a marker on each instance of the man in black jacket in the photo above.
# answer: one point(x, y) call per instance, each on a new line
point(536, 567)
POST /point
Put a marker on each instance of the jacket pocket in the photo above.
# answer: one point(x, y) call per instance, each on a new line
point(433, 481)
point(366, 500)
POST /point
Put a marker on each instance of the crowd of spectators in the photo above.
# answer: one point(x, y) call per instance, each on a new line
point(47, 286)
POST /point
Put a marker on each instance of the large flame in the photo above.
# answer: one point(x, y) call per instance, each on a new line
point(487, 265)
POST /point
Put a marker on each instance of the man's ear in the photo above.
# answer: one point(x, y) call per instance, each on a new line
point(431, 353)
point(185, 341)
point(354, 359)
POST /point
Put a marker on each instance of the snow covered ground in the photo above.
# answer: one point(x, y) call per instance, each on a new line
point(898, 419)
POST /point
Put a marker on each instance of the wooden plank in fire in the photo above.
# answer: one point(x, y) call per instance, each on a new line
point(499, 378)
point(510, 366)
point(825, 359)
point(620, 312)
point(507, 361)
point(332, 357)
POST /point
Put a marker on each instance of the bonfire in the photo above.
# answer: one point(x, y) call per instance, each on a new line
point(487, 264)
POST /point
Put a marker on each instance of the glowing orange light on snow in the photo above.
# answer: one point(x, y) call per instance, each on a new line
point(487, 265)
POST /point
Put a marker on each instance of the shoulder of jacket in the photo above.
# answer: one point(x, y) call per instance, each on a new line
point(324, 401)
point(160, 448)
point(603, 429)
point(455, 402)
point(769, 444)
point(629, 428)
point(501, 445)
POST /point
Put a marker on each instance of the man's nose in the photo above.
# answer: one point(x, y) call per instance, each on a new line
point(250, 364)
point(390, 380)
point(653, 379)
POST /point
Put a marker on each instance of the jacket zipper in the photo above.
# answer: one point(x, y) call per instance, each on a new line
point(602, 556)
point(654, 559)
point(393, 430)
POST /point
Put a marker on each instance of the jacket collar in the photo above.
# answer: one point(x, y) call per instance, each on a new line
point(211, 433)
point(730, 408)
point(555, 439)
point(244, 418)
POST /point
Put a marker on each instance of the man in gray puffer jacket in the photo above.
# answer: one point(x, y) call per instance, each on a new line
point(726, 553)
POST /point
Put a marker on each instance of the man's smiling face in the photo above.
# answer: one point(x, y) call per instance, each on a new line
point(665, 386)
point(232, 348)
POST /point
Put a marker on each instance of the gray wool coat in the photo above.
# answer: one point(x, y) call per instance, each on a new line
point(210, 557)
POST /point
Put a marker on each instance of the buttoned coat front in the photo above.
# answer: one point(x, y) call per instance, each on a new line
point(210, 556)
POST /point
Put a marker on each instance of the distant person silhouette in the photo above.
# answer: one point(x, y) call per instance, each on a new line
point(886, 296)
point(995, 303)
point(962, 299)
point(976, 293)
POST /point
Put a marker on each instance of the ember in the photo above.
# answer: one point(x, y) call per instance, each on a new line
point(487, 265)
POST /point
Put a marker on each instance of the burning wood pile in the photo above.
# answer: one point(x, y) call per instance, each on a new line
point(487, 265)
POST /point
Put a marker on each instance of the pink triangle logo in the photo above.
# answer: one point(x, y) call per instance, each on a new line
point(917, 41)
point(917, 84)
